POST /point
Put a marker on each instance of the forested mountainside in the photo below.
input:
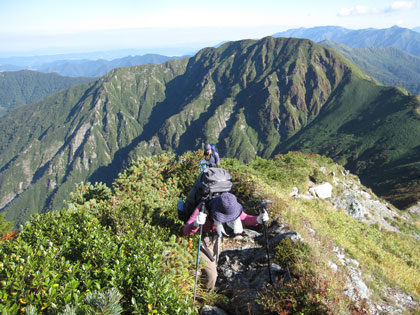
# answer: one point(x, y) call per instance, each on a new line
point(26, 87)
point(251, 98)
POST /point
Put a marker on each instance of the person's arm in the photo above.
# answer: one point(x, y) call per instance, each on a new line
point(217, 158)
point(189, 227)
point(250, 220)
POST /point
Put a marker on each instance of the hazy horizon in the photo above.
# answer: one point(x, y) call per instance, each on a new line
point(47, 27)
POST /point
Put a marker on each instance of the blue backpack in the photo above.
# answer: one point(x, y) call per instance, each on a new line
point(213, 147)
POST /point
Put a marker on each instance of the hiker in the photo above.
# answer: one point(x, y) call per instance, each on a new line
point(212, 155)
point(222, 209)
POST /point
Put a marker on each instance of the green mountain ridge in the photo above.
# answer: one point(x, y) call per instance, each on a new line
point(64, 146)
point(248, 97)
point(26, 87)
point(389, 65)
point(370, 140)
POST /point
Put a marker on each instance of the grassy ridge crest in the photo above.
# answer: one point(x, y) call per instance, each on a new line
point(127, 240)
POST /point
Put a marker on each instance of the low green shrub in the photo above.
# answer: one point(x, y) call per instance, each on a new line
point(186, 170)
point(292, 169)
point(244, 186)
point(106, 240)
point(59, 257)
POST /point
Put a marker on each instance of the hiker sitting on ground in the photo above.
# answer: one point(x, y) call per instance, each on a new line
point(212, 155)
point(223, 209)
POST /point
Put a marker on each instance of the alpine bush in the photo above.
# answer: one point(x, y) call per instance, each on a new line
point(104, 242)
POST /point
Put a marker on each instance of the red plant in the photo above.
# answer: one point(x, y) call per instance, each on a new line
point(9, 236)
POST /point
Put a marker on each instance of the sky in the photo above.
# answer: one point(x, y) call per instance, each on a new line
point(177, 27)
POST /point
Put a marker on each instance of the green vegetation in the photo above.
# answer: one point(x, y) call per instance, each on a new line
point(369, 140)
point(387, 259)
point(302, 291)
point(27, 87)
point(117, 240)
point(125, 244)
point(388, 65)
point(251, 98)
point(5, 226)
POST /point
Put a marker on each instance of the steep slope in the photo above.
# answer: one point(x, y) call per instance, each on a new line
point(248, 97)
point(26, 87)
point(398, 37)
point(49, 146)
point(389, 65)
point(377, 138)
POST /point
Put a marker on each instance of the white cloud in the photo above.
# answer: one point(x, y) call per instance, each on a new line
point(364, 10)
point(402, 5)
point(175, 18)
point(358, 10)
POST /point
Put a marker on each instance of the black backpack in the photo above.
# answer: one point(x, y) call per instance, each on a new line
point(211, 182)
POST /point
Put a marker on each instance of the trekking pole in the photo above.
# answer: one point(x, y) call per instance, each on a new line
point(198, 255)
point(264, 207)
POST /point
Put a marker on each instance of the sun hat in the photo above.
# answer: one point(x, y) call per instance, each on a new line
point(225, 208)
point(207, 147)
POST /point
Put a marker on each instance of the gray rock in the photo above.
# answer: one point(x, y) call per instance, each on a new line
point(294, 192)
point(356, 209)
point(333, 266)
point(322, 191)
point(415, 209)
point(212, 310)
point(244, 272)
point(361, 205)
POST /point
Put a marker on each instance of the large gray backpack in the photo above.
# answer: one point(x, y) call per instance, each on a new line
point(211, 182)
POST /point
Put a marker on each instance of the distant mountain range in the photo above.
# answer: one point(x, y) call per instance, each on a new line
point(98, 63)
point(251, 98)
point(79, 67)
point(389, 65)
point(402, 38)
point(35, 59)
point(26, 87)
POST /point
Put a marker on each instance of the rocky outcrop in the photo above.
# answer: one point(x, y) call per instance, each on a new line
point(243, 267)
point(322, 191)
point(349, 195)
